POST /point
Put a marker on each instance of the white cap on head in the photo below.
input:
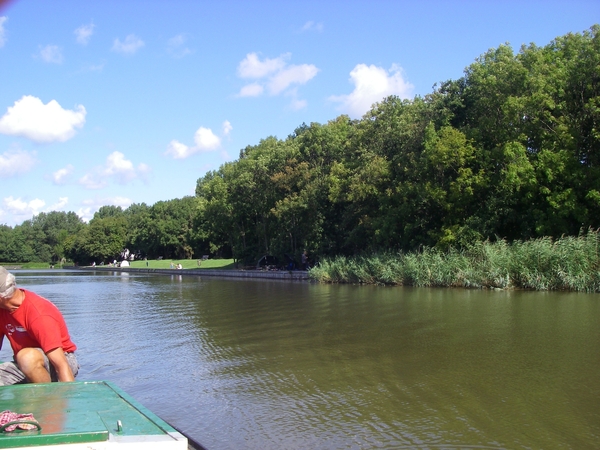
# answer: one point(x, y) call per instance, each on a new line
point(7, 283)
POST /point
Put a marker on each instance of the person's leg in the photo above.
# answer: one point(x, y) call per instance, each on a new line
point(10, 374)
point(32, 363)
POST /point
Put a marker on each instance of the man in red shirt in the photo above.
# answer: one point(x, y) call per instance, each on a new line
point(37, 332)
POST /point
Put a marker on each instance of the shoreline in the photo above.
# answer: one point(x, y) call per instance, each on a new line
point(294, 275)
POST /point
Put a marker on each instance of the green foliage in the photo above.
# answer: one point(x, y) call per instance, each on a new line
point(45, 238)
point(509, 153)
point(569, 263)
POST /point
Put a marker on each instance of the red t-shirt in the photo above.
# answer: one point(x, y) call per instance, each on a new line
point(36, 323)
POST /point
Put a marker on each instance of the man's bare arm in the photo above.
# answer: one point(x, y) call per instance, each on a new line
point(58, 359)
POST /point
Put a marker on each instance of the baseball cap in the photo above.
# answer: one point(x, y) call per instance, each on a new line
point(3, 275)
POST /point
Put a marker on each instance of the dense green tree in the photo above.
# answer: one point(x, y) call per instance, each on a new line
point(102, 241)
point(510, 150)
point(108, 211)
point(166, 229)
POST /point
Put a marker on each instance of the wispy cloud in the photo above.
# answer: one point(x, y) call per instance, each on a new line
point(129, 46)
point(61, 175)
point(312, 26)
point(372, 84)
point(3, 19)
point(251, 90)
point(59, 205)
point(253, 67)
point(84, 33)
point(226, 127)
point(51, 54)
point(23, 209)
point(31, 119)
point(16, 162)
point(91, 206)
point(176, 46)
point(116, 168)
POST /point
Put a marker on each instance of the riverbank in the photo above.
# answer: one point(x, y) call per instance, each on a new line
point(294, 275)
point(564, 264)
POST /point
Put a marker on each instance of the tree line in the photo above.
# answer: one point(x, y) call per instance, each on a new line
point(509, 151)
point(166, 229)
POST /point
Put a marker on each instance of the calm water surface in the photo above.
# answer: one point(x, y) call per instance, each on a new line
point(245, 364)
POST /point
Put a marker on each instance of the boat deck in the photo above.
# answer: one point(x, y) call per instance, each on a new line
point(85, 415)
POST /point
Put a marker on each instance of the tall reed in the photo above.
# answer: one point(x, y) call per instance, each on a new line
point(567, 263)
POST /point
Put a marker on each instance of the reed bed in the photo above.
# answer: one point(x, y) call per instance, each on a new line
point(569, 263)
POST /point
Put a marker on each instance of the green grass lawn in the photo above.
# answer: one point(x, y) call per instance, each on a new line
point(223, 264)
point(29, 265)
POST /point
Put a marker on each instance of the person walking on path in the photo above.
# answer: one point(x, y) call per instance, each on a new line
point(304, 261)
point(38, 334)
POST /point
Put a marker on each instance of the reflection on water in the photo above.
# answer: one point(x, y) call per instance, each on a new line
point(245, 364)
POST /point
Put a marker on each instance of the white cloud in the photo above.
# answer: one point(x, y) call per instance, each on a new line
point(274, 75)
point(291, 75)
point(23, 209)
point(251, 90)
point(117, 165)
point(178, 150)
point(116, 168)
point(253, 67)
point(91, 206)
point(15, 163)
point(372, 84)
point(313, 26)
point(30, 118)
point(131, 45)
point(51, 54)
point(93, 181)
point(60, 205)
point(84, 33)
point(297, 104)
point(204, 139)
point(86, 214)
point(2, 31)
point(176, 46)
point(227, 128)
point(60, 176)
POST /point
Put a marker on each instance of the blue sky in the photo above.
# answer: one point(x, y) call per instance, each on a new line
point(118, 102)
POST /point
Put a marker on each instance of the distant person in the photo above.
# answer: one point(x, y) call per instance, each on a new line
point(304, 260)
point(37, 332)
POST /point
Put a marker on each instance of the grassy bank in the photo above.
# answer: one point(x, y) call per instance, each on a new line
point(222, 264)
point(568, 263)
point(32, 265)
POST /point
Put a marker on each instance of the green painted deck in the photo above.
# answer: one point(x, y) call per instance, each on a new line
point(84, 412)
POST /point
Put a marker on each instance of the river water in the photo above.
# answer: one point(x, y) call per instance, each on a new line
point(255, 364)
